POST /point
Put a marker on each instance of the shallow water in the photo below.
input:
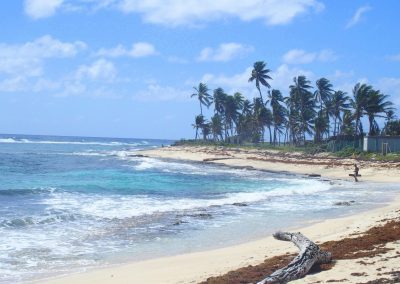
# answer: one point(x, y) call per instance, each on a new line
point(72, 203)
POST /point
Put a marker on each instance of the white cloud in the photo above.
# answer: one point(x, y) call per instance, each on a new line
point(357, 16)
point(224, 52)
point(395, 57)
point(177, 60)
point(138, 49)
point(390, 86)
point(101, 69)
point(299, 56)
point(14, 84)
point(186, 12)
point(41, 8)
point(27, 59)
point(156, 92)
point(281, 79)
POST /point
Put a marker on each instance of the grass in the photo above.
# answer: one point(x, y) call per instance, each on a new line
point(350, 152)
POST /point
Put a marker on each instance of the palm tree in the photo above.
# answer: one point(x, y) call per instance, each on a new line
point(339, 103)
point(348, 126)
point(304, 102)
point(358, 103)
point(259, 74)
point(216, 127)
point(376, 105)
point(239, 100)
point(278, 111)
point(206, 129)
point(262, 117)
point(219, 98)
point(323, 92)
point(247, 107)
point(202, 95)
point(390, 115)
point(231, 113)
point(321, 125)
point(199, 121)
point(392, 128)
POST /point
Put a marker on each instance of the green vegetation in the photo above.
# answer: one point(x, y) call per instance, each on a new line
point(320, 114)
point(350, 152)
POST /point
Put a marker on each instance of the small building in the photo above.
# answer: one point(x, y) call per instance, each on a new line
point(381, 144)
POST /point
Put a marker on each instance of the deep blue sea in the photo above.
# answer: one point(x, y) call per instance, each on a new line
point(68, 204)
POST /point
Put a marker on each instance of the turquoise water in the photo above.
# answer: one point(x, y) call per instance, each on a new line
point(72, 203)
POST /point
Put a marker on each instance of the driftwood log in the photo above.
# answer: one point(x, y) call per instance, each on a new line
point(309, 254)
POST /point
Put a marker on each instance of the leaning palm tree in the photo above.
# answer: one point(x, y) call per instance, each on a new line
point(216, 127)
point(358, 103)
point(339, 103)
point(219, 98)
point(323, 92)
point(278, 112)
point(202, 95)
point(259, 74)
point(376, 105)
point(348, 126)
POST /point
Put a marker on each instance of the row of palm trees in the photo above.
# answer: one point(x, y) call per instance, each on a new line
point(306, 112)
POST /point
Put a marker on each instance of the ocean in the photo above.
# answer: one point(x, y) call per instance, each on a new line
point(69, 204)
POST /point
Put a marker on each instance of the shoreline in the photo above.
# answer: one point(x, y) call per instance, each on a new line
point(276, 161)
point(198, 266)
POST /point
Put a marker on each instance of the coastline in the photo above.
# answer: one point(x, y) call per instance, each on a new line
point(198, 266)
point(276, 161)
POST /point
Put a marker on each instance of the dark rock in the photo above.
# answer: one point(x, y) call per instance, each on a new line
point(178, 222)
point(314, 175)
point(202, 215)
point(343, 203)
point(240, 204)
point(138, 156)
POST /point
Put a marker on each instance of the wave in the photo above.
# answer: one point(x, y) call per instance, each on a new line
point(112, 143)
point(180, 168)
point(131, 206)
point(27, 191)
point(38, 220)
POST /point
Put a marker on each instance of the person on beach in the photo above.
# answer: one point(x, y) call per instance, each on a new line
point(356, 170)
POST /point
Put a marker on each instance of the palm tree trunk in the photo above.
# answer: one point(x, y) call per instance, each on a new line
point(262, 100)
point(201, 108)
point(371, 125)
point(334, 127)
point(270, 135)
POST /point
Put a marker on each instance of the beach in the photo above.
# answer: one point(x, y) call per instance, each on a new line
point(199, 266)
point(278, 161)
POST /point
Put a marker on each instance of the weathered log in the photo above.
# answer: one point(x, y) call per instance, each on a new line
point(309, 254)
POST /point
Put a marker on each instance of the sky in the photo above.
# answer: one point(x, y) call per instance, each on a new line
point(126, 68)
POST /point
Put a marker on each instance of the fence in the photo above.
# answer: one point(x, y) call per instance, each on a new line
point(382, 144)
point(341, 142)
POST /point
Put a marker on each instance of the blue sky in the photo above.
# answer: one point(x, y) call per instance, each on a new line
point(126, 68)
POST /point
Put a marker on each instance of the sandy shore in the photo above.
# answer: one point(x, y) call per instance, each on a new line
point(294, 162)
point(197, 267)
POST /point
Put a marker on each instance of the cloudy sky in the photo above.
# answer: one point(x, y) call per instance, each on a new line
point(126, 68)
